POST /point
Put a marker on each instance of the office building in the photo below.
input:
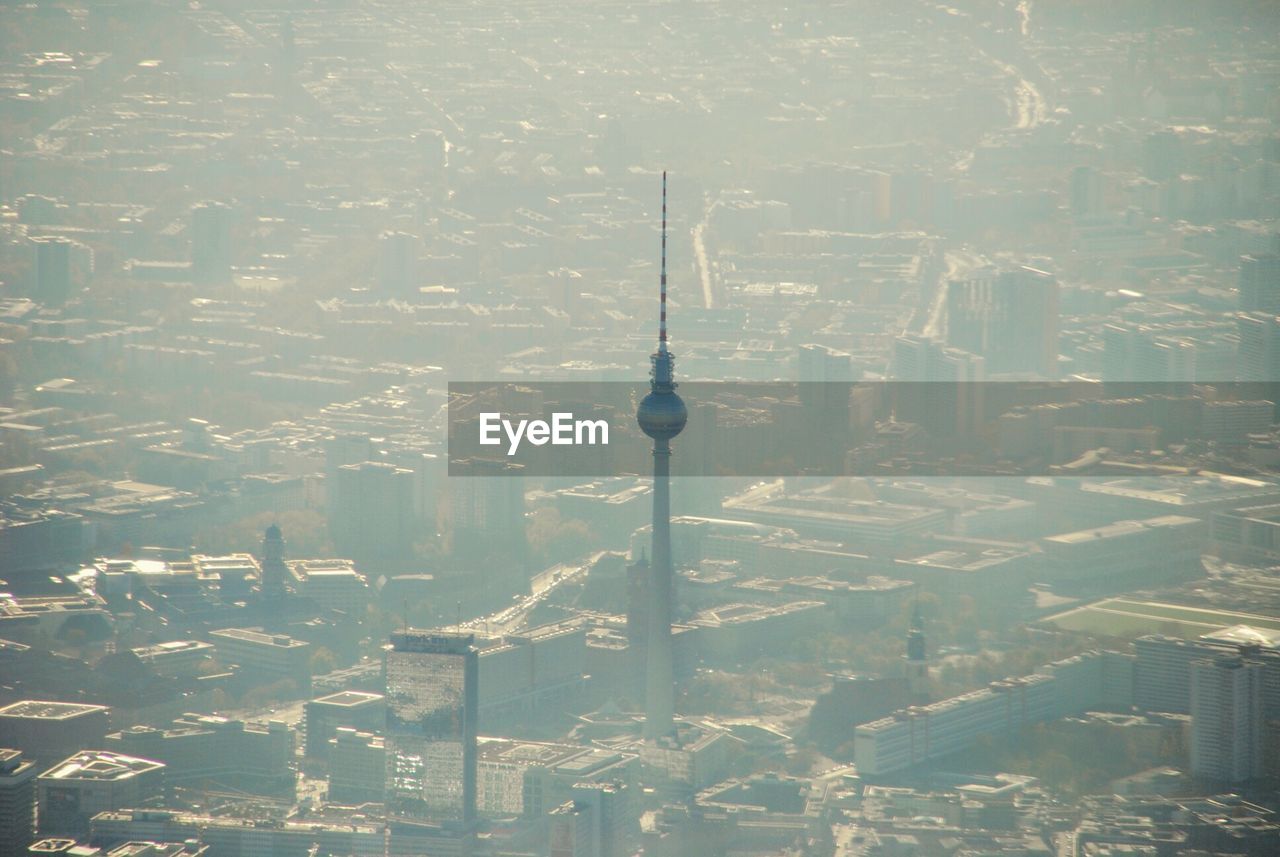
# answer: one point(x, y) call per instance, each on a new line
point(949, 403)
point(330, 584)
point(50, 731)
point(270, 657)
point(240, 836)
point(397, 264)
point(176, 658)
point(355, 709)
point(569, 831)
point(1249, 535)
point(17, 802)
point(1008, 317)
point(1169, 351)
point(432, 705)
point(1085, 187)
point(529, 778)
point(828, 514)
point(1232, 422)
point(371, 512)
point(1226, 719)
point(273, 571)
point(251, 757)
point(1258, 358)
point(866, 604)
point(608, 804)
point(211, 251)
point(357, 767)
point(699, 756)
point(920, 734)
point(1260, 283)
point(1127, 553)
point(75, 790)
point(522, 674)
point(52, 271)
point(825, 377)
point(487, 512)
point(57, 847)
point(1162, 678)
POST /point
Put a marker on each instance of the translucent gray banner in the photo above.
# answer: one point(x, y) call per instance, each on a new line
point(869, 429)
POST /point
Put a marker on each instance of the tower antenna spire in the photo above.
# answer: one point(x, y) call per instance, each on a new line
point(662, 279)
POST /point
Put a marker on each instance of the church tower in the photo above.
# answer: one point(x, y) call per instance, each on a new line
point(917, 662)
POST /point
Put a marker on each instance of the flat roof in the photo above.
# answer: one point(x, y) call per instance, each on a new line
point(100, 765)
point(36, 709)
point(1245, 635)
point(171, 647)
point(349, 698)
point(261, 638)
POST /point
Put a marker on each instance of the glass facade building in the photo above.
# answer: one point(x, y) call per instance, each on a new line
point(432, 700)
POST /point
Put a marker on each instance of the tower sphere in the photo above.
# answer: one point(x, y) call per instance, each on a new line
point(662, 414)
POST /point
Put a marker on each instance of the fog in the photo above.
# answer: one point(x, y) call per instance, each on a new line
point(585, 429)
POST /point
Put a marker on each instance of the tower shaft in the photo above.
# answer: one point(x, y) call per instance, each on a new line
point(659, 673)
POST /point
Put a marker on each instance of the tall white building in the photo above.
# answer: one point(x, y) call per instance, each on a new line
point(1226, 719)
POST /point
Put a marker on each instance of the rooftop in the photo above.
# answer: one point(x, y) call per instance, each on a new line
point(349, 698)
point(1244, 635)
point(261, 638)
point(35, 709)
point(100, 765)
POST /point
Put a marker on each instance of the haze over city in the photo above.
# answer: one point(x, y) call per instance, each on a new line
point(603, 429)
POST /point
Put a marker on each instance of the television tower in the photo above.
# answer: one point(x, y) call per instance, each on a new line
point(661, 416)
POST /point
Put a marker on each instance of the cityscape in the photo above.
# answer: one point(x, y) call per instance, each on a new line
point(669, 428)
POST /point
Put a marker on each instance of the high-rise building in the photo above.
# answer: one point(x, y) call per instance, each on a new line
point(1086, 191)
point(607, 804)
point(1162, 675)
point(1168, 351)
point(353, 709)
point(52, 272)
point(357, 766)
point(1259, 355)
point(569, 831)
point(825, 377)
point(950, 400)
point(274, 571)
point(397, 263)
point(345, 448)
point(1009, 317)
point(211, 243)
point(486, 513)
point(662, 416)
point(1226, 719)
point(371, 512)
point(432, 703)
point(1260, 283)
point(17, 802)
